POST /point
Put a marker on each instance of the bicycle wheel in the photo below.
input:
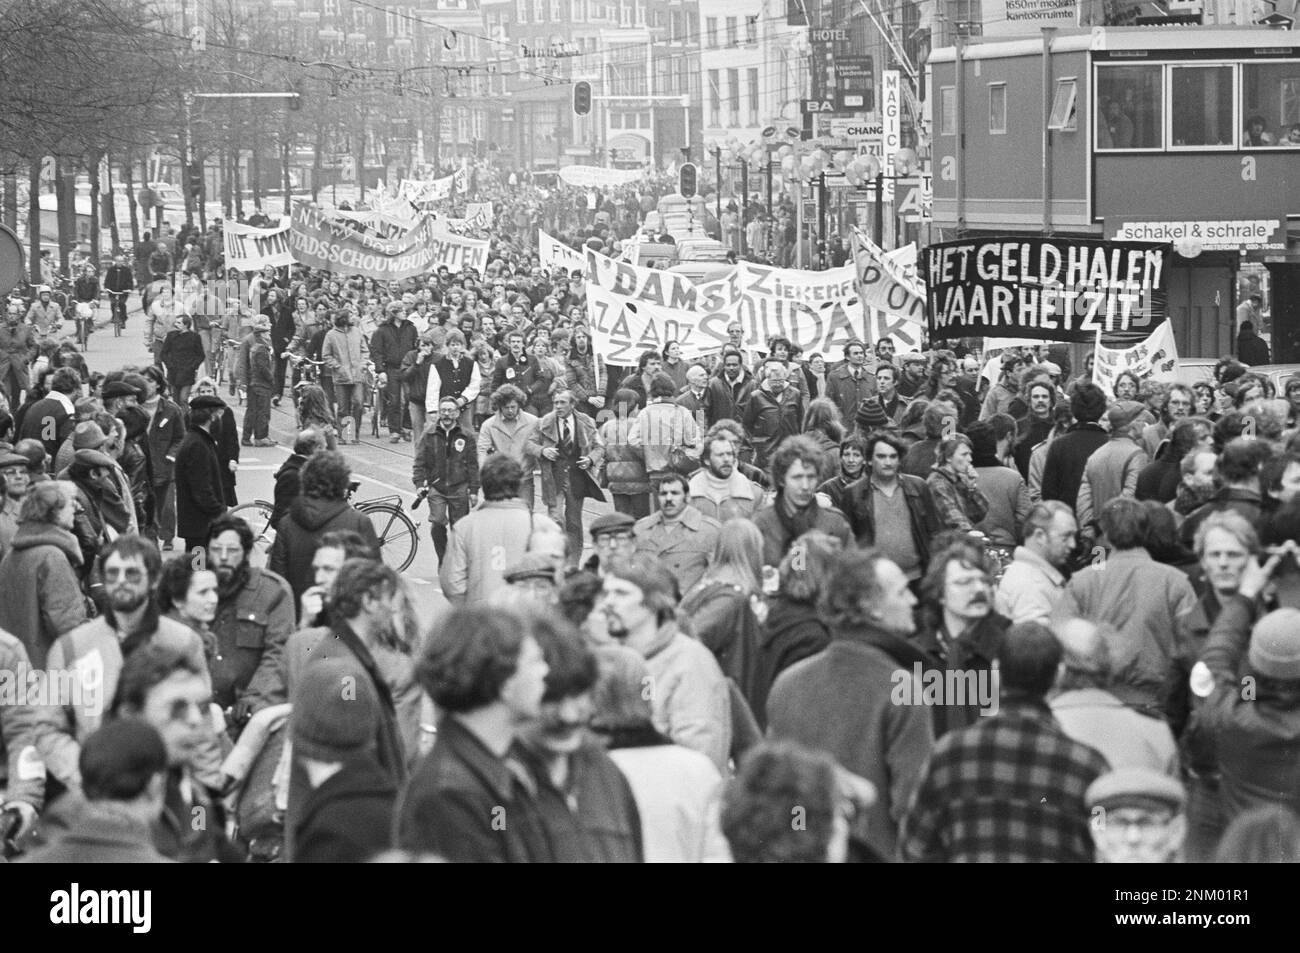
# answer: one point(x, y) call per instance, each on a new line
point(398, 541)
point(258, 516)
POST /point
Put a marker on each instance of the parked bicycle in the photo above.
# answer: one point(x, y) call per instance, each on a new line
point(398, 539)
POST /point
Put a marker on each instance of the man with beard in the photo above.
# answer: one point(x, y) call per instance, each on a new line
point(853, 462)
point(91, 656)
point(691, 699)
point(959, 632)
point(446, 464)
point(1032, 584)
point(891, 510)
point(796, 472)
point(1178, 405)
point(719, 490)
point(1033, 428)
point(884, 352)
point(255, 615)
point(586, 803)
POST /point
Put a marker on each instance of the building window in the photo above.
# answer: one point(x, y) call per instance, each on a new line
point(1270, 105)
point(1201, 106)
point(715, 99)
point(751, 30)
point(1065, 104)
point(948, 111)
point(733, 37)
point(521, 11)
point(711, 31)
point(997, 109)
point(733, 97)
point(753, 97)
point(1129, 104)
point(555, 12)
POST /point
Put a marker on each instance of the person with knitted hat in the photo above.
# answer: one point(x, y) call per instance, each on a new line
point(348, 814)
point(1136, 817)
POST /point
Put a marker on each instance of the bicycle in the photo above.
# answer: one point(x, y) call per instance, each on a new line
point(117, 308)
point(84, 318)
point(398, 539)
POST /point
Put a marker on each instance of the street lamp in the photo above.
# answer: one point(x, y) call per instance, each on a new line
point(868, 168)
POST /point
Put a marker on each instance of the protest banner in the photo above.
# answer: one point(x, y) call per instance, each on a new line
point(817, 311)
point(251, 249)
point(555, 254)
point(419, 191)
point(1155, 359)
point(594, 176)
point(480, 213)
point(883, 284)
point(1050, 289)
point(323, 240)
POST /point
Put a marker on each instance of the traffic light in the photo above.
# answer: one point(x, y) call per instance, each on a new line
point(581, 98)
point(194, 178)
point(686, 180)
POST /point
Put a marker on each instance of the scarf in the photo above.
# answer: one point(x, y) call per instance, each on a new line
point(802, 521)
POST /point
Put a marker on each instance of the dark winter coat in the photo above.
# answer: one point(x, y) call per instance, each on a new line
point(349, 818)
point(182, 353)
point(298, 534)
point(200, 498)
point(39, 576)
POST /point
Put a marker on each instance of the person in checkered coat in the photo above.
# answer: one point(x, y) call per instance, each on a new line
point(1011, 787)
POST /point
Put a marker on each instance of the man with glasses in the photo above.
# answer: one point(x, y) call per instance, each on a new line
point(612, 536)
point(255, 616)
point(88, 660)
point(17, 478)
point(1136, 816)
point(1179, 402)
point(166, 689)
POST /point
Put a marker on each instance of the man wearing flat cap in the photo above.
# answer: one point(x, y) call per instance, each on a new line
point(1136, 816)
point(613, 535)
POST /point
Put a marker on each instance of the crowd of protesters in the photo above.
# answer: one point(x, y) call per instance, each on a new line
point(852, 606)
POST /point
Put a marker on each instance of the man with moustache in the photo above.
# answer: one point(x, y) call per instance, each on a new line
point(255, 616)
point(1033, 583)
point(1033, 428)
point(960, 632)
point(92, 655)
point(912, 381)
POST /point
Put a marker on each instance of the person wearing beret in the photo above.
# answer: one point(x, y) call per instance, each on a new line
point(200, 498)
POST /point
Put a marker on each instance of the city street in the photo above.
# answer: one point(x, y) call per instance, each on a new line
point(383, 469)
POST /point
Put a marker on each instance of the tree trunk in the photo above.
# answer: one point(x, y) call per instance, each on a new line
point(34, 220)
point(255, 166)
point(315, 164)
point(224, 163)
point(11, 201)
point(111, 208)
point(127, 180)
point(235, 185)
point(66, 193)
point(95, 157)
point(287, 151)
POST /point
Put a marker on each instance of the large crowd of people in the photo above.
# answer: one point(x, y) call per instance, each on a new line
point(762, 606)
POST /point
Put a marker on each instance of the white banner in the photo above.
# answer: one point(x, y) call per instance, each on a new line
point(1155, 358)
point(883, 283)
point(251, 249)
point(631, 309)
point(594, 176)
point(480, 213)
point(555, 254)
point(431, 190)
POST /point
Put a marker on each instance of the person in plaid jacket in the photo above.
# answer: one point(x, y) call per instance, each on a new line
point(1011, 788)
